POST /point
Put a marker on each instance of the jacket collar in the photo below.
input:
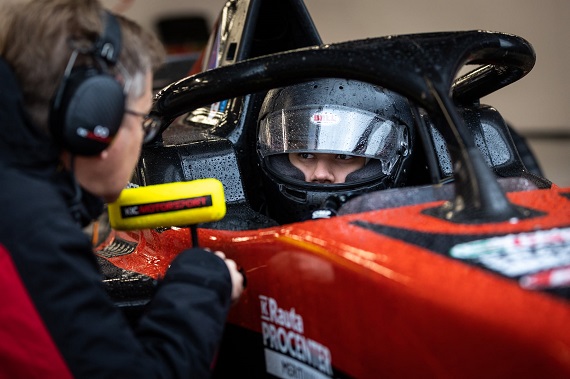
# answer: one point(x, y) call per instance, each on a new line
point(21, 144)
point(25, 148)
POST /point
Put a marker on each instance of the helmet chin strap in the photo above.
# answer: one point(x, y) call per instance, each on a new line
point(330, 206)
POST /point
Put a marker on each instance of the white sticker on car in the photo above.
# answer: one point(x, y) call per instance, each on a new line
point(288, 353)
point(514, 255)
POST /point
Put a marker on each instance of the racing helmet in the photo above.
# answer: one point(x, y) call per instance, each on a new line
point(335, 116)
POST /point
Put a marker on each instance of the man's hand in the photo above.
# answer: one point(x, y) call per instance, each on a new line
point(237, 276)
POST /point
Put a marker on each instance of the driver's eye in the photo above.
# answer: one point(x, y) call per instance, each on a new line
point(344, 157)
point(305, 155)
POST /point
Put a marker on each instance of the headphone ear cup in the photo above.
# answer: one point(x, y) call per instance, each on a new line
point(89, 113)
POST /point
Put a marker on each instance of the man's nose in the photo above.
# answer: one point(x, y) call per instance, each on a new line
point(323, 173)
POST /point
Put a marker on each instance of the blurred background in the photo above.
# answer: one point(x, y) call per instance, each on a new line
point(537, 105)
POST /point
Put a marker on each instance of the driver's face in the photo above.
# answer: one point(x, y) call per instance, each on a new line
point(326, 168)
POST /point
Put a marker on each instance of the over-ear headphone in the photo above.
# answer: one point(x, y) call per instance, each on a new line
point(88, 107)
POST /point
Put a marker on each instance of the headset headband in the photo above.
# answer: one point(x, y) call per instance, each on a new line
point(108, 45)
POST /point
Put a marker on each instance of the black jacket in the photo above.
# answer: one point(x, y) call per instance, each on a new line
point(70, 325)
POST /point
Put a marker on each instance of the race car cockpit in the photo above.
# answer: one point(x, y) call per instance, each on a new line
point(220, 140)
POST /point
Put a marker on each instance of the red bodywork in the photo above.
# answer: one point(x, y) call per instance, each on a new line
point(385, 307)
point(381, 293)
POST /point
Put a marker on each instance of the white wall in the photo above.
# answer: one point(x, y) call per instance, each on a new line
point(539, 101)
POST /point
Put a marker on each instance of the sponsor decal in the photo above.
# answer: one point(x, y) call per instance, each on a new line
point(558, 277)
point(515, 255)
point(288, 353)
point(217, 108)
point(325, 118)
point(165, 206)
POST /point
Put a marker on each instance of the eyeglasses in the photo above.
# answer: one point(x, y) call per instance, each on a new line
point(150, 125)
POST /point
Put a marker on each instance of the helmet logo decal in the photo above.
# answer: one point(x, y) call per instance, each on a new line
point(325, 118)
point(99, 133)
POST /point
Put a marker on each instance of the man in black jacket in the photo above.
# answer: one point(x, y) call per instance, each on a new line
point(75, 83)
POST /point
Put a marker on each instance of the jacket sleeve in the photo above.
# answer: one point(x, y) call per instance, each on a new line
point(193, 299)
point(177, 336)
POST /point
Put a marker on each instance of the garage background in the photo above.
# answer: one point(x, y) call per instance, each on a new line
point(537, 105)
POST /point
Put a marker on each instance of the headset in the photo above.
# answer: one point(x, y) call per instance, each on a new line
point(89, 104)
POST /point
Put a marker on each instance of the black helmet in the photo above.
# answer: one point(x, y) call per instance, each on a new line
point(336, 116)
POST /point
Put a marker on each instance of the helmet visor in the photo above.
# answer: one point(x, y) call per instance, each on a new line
point(333, 129)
